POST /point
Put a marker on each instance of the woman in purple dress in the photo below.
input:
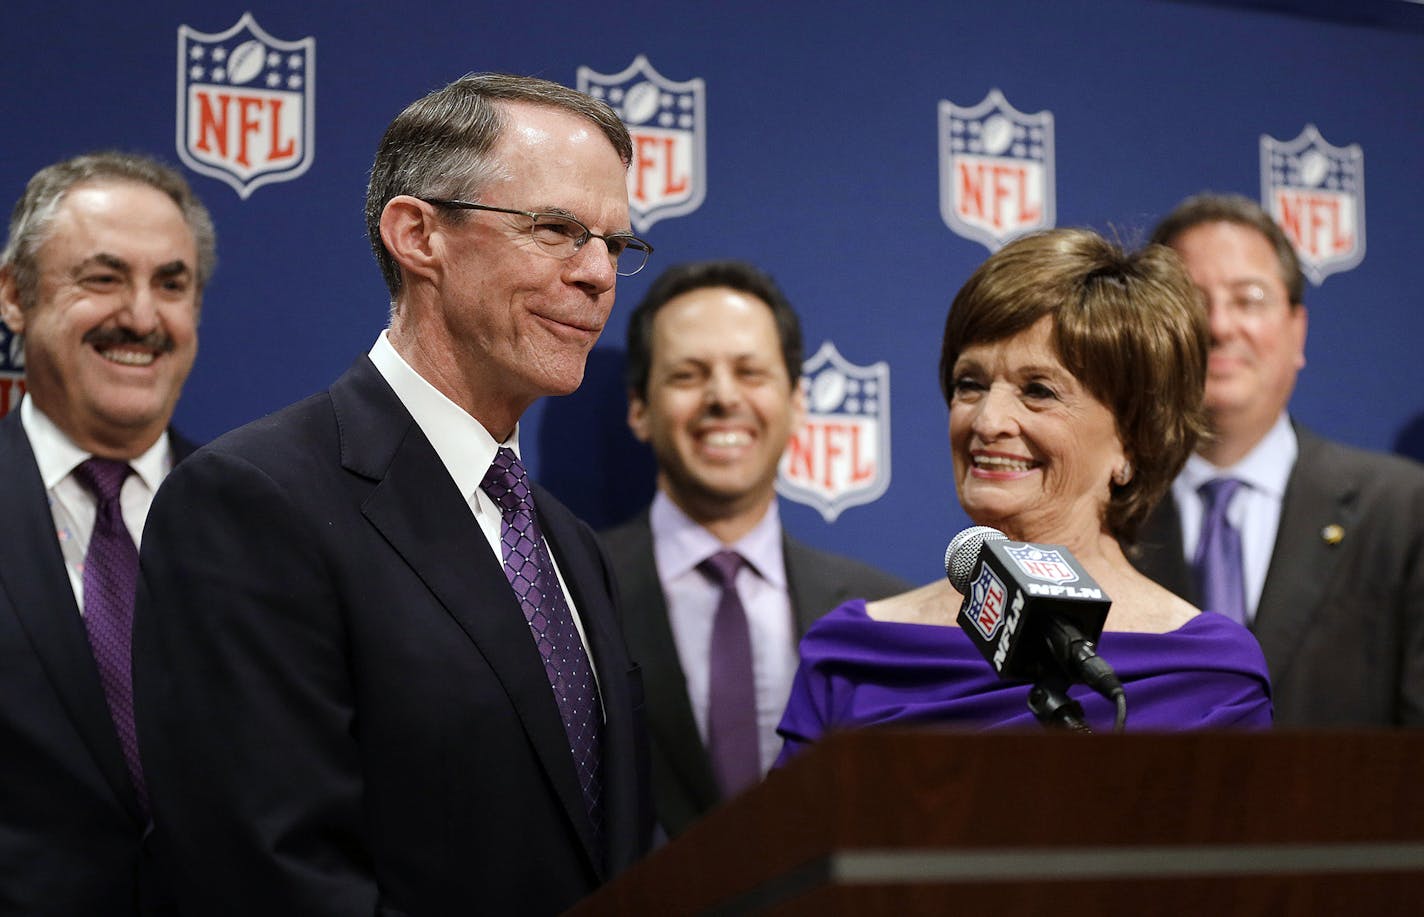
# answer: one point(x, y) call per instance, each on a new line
point(1074, 375)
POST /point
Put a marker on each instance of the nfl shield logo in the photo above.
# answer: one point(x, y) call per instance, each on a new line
point(841, 457)
point(12, 369)
point(1316, 192)
point(995, 170)
point(668, 122)
point(986, 602)
point(245, 105)
point(1042, 563)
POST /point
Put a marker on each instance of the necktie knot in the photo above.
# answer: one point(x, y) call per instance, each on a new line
point(1217, 493)
point(722, 567)
point(506, 481)
point(102, 477)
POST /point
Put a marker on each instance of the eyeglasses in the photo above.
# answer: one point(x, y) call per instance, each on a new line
point(562, 236)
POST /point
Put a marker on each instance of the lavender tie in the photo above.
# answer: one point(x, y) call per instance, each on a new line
point(732, 734)
point(110, 579)
point(1221, 583)
point(530, 572)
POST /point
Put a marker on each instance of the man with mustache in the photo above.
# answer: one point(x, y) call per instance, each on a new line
point(1316, 546)
point(101, 277)
point(377, 670)
point(714, 386)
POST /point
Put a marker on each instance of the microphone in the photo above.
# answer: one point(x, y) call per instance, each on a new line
point(1033, 612)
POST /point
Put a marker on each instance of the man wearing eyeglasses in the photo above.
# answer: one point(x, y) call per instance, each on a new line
point(381, 669)
point(1316, 546)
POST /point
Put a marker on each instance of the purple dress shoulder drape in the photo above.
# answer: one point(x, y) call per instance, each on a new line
point(856, 671)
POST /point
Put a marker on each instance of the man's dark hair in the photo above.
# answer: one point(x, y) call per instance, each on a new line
point(1210, 207)
point(698, 275)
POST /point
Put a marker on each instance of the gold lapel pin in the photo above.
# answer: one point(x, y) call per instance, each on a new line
point(1332, 534)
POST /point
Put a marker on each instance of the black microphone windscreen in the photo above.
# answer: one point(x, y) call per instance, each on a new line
point(963, 553)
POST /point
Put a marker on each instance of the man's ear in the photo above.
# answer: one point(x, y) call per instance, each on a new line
point(638, 417)
point(409, 230)
point(1300, 325)
point(10, 311)
point(798, 405)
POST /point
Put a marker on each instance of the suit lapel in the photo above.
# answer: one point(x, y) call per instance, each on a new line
point(1319, 493)
point(811, 595)
point(651, 643)
point(575, 551)
point(1158, 553)
point(417, 509)
point(37, 585)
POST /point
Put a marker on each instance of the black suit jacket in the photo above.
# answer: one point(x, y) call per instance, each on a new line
point(684, 787)
point(71, 831)
point(1341, 625)
point(340, 707)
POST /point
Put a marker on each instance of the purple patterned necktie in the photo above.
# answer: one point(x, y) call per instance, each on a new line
point(530, 572)
point(732, 733)
point(1221, 584)
point(110, 578)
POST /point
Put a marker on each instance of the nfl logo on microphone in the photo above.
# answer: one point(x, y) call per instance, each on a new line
point(1041, 563)
point(668, 123)
point(986, 600)
point(1316, 192)
point(995, 170)
point(841, 456)
point(245, 105)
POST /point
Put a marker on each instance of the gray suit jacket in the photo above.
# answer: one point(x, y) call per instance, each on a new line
point(684, 787)
point(1342, 625)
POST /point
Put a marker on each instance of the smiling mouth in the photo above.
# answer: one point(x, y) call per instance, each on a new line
point(126, 356)
point(574, 325)
point(727, 439)
point(1003, 463)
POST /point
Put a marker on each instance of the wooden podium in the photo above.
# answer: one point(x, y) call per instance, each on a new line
point(1208, 824)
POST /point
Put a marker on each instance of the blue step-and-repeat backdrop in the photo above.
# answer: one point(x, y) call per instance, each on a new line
point(868, 155)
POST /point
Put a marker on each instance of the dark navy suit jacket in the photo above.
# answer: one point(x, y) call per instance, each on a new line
point(71, 830)
point(340, 708)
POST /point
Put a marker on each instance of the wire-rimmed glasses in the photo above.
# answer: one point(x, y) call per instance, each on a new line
point(562, 236)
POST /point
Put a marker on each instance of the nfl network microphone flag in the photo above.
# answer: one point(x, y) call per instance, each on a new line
point(1010, 593)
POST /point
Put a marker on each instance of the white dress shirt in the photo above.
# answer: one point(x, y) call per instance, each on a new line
point(679, 545)
point(70, 502)
point(1255, 509)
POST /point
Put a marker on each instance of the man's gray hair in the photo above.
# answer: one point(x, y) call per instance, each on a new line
point(33, 216)
point(439, 146)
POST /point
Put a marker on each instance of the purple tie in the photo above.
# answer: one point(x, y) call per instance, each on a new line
point(110, 578)
point(1221, 584)
point(530, 572)
point(732, 734)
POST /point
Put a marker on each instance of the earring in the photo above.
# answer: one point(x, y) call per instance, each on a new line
point(1123, 474)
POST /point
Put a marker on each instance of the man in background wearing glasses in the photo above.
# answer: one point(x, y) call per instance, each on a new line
point(1316, 546)
point(381, 671)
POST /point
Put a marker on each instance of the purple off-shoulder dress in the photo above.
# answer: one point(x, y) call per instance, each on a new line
point(856, 671)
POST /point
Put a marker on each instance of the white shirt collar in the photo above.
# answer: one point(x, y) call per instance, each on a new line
point(57, 456)
point(680, 544)
point(1266, 468)
point(463, 444)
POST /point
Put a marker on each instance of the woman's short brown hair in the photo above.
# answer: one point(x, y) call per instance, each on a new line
point(1129, 326)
